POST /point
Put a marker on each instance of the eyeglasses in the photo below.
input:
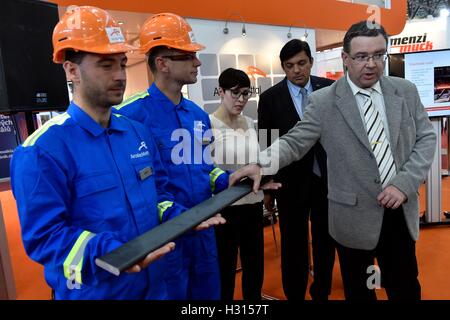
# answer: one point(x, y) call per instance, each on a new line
point(182, 57)
point(236, 94)
point(377, 57)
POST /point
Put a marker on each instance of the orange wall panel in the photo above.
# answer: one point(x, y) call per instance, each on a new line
point(315, 14)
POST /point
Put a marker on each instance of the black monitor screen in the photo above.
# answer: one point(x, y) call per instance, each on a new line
point(29, 79)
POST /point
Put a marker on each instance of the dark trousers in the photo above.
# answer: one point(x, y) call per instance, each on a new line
point(243, 230)
point(294, 212)
point(323, 246)
point(396, 256)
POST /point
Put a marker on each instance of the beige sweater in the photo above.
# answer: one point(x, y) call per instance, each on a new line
point(232, 149)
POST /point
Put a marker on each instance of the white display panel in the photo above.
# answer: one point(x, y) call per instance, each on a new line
point(430, 72)
point(256, 53)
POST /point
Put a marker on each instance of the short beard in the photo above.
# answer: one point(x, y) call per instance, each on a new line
point(99, 97)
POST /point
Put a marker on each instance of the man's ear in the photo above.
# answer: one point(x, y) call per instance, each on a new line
point(344, 57)
point(161, 64)
point(312, 61)
point(72, 71)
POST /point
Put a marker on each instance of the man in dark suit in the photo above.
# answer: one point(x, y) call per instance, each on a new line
point(304, 191)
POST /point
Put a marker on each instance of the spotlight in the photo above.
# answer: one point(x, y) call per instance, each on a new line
point(289, 34)
point(225, 29)
point(305, 36)
point(244, 32)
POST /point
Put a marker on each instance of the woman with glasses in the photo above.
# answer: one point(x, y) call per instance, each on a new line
point(235, 145)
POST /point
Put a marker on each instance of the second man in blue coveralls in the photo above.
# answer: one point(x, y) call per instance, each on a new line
point(168, 41)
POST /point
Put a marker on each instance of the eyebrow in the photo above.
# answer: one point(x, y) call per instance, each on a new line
point(297, 62)
point(108, 59)
point(377, 51)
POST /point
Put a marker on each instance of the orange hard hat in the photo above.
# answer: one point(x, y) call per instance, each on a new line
point(88, 29)
point(170, 30)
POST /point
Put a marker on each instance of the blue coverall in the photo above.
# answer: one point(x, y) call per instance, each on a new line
point(193, 269)
point(82, 191)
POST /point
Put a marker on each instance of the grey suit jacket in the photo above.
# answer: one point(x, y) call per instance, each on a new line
point(332, 117)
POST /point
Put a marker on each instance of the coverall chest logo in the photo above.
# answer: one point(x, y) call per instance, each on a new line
point(142, 146)
point(142, 151)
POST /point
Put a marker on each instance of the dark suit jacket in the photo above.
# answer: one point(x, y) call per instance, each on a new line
point(276, 110)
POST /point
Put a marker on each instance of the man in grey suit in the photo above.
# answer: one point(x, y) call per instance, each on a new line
point(380, 145)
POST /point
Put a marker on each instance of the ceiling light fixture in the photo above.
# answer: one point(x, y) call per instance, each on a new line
point(243, 30)
point(305, 34)
point(289, 34)
point(225, 29)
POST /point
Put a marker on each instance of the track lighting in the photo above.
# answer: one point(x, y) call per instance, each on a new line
point(243, 31)
point(303, 38)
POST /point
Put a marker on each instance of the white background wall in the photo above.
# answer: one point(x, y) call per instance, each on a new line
point(260, 39)
point(329, 61)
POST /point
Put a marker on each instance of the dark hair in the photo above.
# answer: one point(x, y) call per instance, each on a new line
point(293, 47)
point(74, 56)
point(230, 78)
point(363, 29)
point(153, 54)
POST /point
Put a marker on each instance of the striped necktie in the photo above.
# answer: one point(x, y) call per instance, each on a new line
point(378, 140)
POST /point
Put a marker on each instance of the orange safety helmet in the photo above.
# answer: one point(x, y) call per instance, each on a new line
point(88, 29)
point(170, 30)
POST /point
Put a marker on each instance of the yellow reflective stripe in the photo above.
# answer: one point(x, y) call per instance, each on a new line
point(213, 175)
point(131, 99)
point(162, 207)
point(74, 261)
point(58, 120)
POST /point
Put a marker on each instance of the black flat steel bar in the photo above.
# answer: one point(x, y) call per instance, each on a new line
point(137, 249)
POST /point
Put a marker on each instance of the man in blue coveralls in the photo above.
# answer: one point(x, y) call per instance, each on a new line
point(87, 181)
point(169, 43)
